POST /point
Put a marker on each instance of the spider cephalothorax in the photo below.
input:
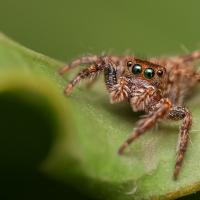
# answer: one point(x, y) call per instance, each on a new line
point(157, 86)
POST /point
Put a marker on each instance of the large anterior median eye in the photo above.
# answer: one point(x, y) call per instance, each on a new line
point(149, 73)
point(136, 69)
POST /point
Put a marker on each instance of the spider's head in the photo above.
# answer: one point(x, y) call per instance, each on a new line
point(141, 71)
point(146, 82)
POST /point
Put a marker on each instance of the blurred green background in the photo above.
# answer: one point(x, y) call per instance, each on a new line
point(65, 29)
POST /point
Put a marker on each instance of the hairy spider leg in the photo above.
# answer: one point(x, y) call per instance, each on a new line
point(88, 60)
point(190, 57)
point(195, 55)
point(181, 113)
point(118, 88)
point(96, 65)
point(89, 72)
point(85, 60)
point(110, 75)
point(147, 123)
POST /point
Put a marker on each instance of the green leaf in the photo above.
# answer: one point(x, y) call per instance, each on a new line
point(75, 139)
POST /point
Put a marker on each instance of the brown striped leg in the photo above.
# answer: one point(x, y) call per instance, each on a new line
point(195, 55)
point(85, 60)
point(97, 66)
point(147, 123)
point(89, 72)
point(190, 57)
point(178, 113)
point(89, 60)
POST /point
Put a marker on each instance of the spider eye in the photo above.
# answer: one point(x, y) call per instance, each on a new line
point(160, 72)
point(129, 63)
point(137, 69)
point(149, 73)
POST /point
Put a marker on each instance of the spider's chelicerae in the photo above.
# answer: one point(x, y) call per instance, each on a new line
point(157, 86)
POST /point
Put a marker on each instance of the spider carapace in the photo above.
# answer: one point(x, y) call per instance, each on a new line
point(157, 86)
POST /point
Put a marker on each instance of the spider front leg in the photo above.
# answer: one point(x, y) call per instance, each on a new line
point(117, 87)
point(180, 113)
point(89, 72)
point(96, 65)
point(85, 60)
point(148, 122)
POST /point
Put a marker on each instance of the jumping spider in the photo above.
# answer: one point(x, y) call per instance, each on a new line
point(157, 86)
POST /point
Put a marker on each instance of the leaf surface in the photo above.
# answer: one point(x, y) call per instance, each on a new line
point(75, 139)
